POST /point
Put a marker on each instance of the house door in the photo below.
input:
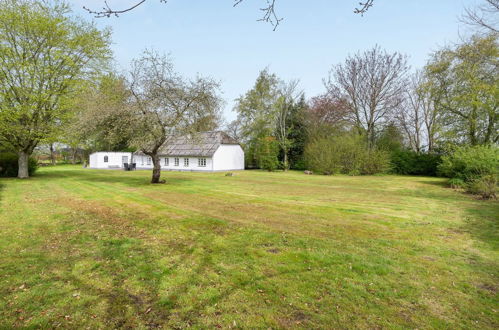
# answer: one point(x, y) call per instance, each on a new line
point(124, 159)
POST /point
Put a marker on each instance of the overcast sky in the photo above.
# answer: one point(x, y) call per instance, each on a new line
point(210, 37)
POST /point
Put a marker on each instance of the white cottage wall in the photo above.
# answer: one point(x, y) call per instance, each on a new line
point(143, 163)
point(115, 159)
point(228, 157)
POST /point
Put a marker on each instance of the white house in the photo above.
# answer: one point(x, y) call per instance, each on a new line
point(207, 151)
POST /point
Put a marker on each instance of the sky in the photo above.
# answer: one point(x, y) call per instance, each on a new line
point(213, 38)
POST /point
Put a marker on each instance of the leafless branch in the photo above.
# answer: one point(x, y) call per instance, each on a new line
point(107, 11)
point(363, 7)
point(269, 10)
point(484, 16)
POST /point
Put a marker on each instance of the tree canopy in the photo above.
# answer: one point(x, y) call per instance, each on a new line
point(46, 54)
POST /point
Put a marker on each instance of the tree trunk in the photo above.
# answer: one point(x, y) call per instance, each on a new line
point(371, 137)
point(73, 156)
point(156, 171)
point(23, 165)
point(52, 154)
point(286, 165)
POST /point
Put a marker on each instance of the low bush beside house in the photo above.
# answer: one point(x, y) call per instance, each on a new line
point(476, 166)
point(9, 165)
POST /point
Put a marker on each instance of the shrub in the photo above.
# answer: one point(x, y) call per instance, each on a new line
point(456, 183)
point(469, 163)
point(9, 165)
point(375, 161)
point(346, 154)
point(485, 186)
point(477, 167)
point(413, 163)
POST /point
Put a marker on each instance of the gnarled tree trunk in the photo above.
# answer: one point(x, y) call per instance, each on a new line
point(22, 172)
point(156, 171)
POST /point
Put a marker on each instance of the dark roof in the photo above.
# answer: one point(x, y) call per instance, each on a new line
point(198, 145)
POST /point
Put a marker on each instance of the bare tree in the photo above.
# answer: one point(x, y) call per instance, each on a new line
point(328, 109)
point(484, 16)
point(234, 129)
point(372, 83)
point(410, 116)
point(419, 116)
point(269, 14)
point(164, 104)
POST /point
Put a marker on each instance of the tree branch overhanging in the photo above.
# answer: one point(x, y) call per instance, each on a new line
point(363, 7)
point(269, 14)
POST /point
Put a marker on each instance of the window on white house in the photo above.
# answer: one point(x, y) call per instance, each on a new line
point(202, 162)
point(167, 161)
point(142, 160)
point(148, 160)
point(106, 159)
point(186, 162)
point(177, 161)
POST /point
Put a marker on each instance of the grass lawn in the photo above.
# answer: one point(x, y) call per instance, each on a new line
point(101, 249)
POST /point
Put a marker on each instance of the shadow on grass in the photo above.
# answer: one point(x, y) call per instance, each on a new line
point(1, 189)
point(483, 222)
point(122, 257)
point(442, 183)
point(131, 179)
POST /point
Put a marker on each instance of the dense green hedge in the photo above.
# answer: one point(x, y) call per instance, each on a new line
point(413, 163)
point(9, 165)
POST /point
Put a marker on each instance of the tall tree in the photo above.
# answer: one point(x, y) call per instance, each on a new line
point(283, 110)
point(255, 113)
point(45, 52)
point(162, 105)
point(97, 114)
point(372, 83)
point(418, 116)
point(298, 133)
point(464, 82)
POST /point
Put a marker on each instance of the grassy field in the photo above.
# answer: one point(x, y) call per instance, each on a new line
point(101, 249)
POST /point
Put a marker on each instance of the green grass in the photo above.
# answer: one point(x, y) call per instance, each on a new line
point(101, 249)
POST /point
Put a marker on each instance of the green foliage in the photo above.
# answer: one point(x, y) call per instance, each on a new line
point(477, 166)
point(256, 112)
point(268, 151)
point(298, 134)
point(464, 83)
point(268, 109)
point(9, 165)
point(410, 162)
point(390, 138)
point(485, 186)
point(346, 154)
point(47, 53)
point(456, 183)
point(470, 162)
point(375, 161)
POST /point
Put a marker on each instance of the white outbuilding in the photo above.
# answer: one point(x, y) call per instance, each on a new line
point(207, 151)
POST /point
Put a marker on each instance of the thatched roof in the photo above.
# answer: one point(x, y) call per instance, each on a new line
point(197, 145)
